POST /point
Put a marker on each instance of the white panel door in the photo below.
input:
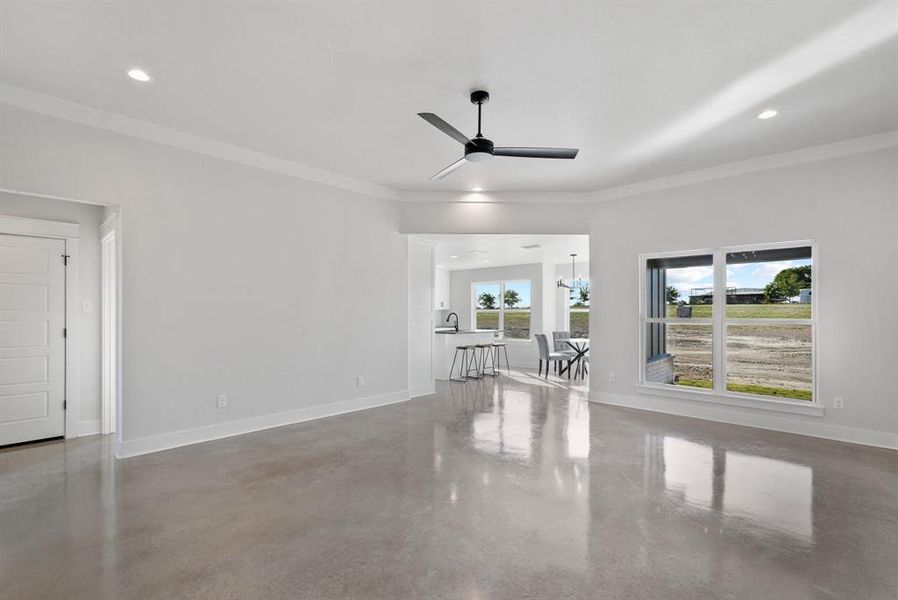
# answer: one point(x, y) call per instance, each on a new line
point(32, 347)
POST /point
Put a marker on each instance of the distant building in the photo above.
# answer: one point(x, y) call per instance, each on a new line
point(734, 296)
point(804, 296)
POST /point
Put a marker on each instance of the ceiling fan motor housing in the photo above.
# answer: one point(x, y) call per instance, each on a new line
point(478, 149)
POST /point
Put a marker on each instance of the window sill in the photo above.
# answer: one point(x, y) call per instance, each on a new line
point(813, 409)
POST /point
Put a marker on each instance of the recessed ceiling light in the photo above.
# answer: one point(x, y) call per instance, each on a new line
point(139, 75)
point(768, 113)
point(477, 189)
point(453, 256)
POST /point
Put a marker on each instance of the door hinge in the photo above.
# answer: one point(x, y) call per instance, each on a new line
point(65, 332)
point(65, 405)
point(65, 259)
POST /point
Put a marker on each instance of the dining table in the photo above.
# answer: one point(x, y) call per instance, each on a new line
point(581, 347)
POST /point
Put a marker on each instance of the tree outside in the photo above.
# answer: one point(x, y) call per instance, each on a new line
point(487, 301)
point(511, 298)
point(582, 298)
point(787, 283)
point(673, 294)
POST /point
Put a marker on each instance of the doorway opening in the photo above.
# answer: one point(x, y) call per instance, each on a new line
point(523, 295)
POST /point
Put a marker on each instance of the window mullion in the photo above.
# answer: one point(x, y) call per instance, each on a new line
point(502, 307)
point(718, 365)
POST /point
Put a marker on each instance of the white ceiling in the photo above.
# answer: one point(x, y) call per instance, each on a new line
point(476, 251)
point(645, 89)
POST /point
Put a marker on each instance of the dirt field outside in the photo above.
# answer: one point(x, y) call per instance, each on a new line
point(774, 360)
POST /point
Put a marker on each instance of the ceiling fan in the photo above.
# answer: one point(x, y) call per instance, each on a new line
point(479, 148)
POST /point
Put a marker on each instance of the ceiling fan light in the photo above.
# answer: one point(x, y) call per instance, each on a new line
point(478, 156)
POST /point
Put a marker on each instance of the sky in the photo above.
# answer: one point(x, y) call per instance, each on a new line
point(746, 275)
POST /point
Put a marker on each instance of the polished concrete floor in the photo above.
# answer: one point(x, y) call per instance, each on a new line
point(504, 489)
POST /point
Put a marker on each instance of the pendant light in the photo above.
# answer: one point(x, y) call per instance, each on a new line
point(575, 282)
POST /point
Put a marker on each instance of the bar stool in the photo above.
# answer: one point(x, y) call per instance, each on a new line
point(464, 366)
point(496, 347)
point(475, 361)
point(486, 354)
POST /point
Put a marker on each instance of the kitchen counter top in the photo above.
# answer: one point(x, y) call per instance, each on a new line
point(451, 331)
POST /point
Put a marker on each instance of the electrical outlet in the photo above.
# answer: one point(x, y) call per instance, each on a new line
point(222, 400)
point(611, 377)
point(359, 381)
point(839, 402)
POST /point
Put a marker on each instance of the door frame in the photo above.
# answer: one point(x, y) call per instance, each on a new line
point(110, 292)
point(70, 233)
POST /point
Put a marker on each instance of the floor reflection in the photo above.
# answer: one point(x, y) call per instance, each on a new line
point(506, 428)
point(749, 493)
point(770, 493)
point(576, 433)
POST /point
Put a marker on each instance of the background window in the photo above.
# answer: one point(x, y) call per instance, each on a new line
point(486, 305)
point(516, 309)
point(578, 320)
point(503, 305)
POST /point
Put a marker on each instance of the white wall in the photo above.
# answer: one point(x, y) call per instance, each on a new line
point(849, 205)
point(474, 213)
point(89, 217)
point(421, 283)
point(234, 282)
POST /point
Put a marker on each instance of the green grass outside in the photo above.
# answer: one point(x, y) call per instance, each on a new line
point(750, 311)
point(750, 389)
point(517, 323)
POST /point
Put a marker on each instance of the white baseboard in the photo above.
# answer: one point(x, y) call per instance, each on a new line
point(422, 390)
point(89, 428)
point(777, 422)
point(175, 439)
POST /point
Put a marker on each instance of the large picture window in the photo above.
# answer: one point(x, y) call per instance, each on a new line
point(503, 305)
point(738, 321)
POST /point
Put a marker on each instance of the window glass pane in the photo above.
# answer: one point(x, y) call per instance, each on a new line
point(578, 324)
point(486, 306)
point(685, 356)
point(764, 284)
point(680, 286)
point(517, 309)
point(771, 360)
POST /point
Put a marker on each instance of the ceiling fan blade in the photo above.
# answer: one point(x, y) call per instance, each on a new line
point(444, 127)
point(536, 152)
point(450, 168)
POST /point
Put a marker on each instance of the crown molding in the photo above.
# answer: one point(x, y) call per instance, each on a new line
point(101, 119)
point(93, 117)
point(768, 162)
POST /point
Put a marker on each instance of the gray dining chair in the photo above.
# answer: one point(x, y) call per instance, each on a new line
point(559, 338)
point(545, 354)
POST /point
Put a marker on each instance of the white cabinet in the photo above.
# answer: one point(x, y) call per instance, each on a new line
point(441, 289)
